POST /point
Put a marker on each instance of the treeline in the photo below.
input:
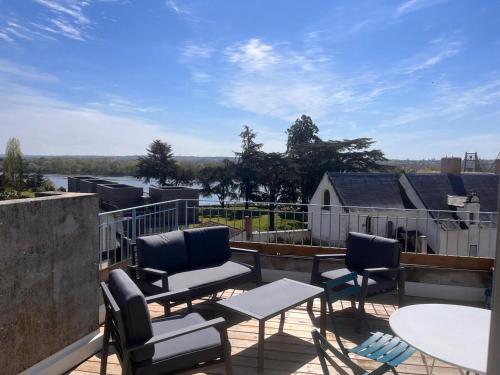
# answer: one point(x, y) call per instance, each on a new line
point(68, 165)
point(256, 175)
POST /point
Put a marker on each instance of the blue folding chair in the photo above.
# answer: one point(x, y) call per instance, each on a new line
point(383, 348)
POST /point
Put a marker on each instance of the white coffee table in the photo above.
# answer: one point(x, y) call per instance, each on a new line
point(457, 335)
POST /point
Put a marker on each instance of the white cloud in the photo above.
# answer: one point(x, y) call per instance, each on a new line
point(282, 82)
point(438, 50)
point(72, 9)
point(174, 6)
point(25, 72)
point(48, 126)
point(411, 6)
point(252, 55)
point(53, 18)
point(197, 51)
point(67, 29)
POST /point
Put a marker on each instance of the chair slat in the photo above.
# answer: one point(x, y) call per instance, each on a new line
point(375, 346)
point(394, 342)
point(365, 344)
point(402, 356)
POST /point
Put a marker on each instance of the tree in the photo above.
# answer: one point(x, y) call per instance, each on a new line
point(218, 180)
point(274, 168)
point(247, 165)
point(311, 157)
point(158, 164)
point(303, 131)
point(13, 164)
point(38, 182)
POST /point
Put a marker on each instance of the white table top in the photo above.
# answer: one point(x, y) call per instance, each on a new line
point(457, 335)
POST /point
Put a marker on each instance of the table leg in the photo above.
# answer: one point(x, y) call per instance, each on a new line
point(282, 321)
point(429, 370)
point(260, 354)
point(322, 324)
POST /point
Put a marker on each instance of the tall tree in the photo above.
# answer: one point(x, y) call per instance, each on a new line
point(274, 168)
point(247, 172)
point(311, 157)
point(219, 180)
point(158, 164)
point(301, 134)
point(13, 164)
point(303, 131)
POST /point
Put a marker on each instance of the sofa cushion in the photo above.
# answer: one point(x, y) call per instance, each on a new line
point(166, 252)
point(368, 251)
point(376, 283)
point(206, 246)
point(204, 276)
point(134, 312)
point(184, 351)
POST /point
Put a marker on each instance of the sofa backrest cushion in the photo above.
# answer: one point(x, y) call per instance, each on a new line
point(207, 246)
point(166, 252)
point(368, 251)
point(134, 312)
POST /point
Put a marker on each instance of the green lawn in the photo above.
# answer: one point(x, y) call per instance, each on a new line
point(259, 222)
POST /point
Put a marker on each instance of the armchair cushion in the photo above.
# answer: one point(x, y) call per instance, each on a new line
point(206, 246)
point(134, 311)
point(204, 276)
point(184, 351)
point(368, 251)
point(376, 283)
point(166, 252)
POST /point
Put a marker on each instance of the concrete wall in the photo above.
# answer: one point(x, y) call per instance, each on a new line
point(48, 276)
point(421, 281)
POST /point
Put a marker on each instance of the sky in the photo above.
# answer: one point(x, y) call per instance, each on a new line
point(107, 77)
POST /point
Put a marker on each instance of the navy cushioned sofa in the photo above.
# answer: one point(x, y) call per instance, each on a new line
point(196, 259)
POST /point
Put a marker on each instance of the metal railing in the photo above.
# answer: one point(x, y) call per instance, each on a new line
point(425, 231)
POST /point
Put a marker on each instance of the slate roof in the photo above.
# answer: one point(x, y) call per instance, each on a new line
point(433, 189)
point(369, 189)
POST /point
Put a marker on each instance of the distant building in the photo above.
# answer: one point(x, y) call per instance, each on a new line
point(445, 213)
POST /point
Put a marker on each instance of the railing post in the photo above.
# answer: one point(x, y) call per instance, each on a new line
point(248, 227)
point(176, 214)
point(134, 225)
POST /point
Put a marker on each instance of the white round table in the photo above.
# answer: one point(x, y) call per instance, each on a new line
point(457, 335)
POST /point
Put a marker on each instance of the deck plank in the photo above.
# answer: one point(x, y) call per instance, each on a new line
point(287, 352)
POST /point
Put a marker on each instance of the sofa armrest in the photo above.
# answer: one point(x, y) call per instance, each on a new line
point(175, 295)
point(317, 258)
point(369, 271)
point(256, 259)
point(135, 270)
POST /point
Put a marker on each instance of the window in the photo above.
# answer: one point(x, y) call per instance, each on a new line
point(326, 200)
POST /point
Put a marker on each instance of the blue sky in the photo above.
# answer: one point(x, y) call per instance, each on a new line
point(422, 77)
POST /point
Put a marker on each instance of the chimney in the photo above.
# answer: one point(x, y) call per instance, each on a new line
point(497, 166)
point(451, 165)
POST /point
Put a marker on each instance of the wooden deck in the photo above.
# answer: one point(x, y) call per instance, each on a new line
point(292, 351)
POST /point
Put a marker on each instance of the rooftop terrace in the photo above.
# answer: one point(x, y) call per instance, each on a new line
point(290, 351)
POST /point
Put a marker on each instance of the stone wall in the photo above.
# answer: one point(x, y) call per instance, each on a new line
point(48, 276)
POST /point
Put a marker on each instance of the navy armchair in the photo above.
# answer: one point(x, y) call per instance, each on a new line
point(169, 344)
point(376, 261)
